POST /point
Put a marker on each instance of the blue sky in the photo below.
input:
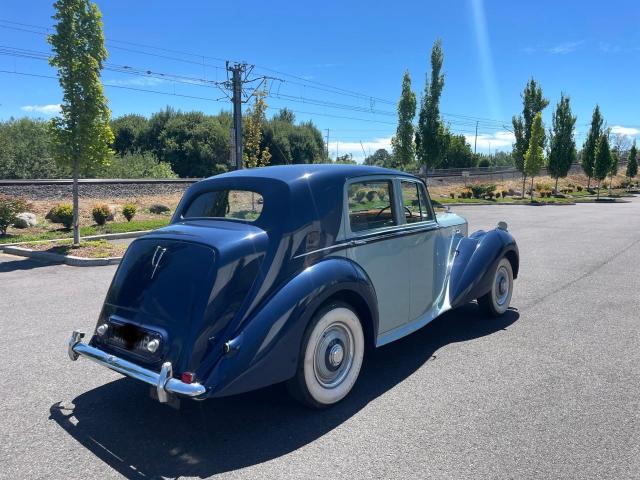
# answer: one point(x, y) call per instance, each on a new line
point(351, 55)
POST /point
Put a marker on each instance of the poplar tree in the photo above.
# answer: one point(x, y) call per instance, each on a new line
point(432, 135)
point(613, 169)
point(256, 117)
point(402, 142)
point(562, 151)
point(632, 162)
point(602, 165)
point(533, 102)
point(589, 150)
point(81, 134)
point(534, 157)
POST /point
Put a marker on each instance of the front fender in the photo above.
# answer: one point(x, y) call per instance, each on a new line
point(475, 262)
point(267, 348)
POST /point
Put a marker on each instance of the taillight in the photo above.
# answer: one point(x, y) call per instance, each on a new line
point(188, 377)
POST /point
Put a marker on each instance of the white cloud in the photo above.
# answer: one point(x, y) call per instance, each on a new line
point(502, 140)
point(51, 110)
point(355, 148)
point(564, 48)
point(137, 82)
point(625, 131)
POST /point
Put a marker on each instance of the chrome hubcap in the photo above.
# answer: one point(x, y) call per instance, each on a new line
point(333, 355)
point(501, 286)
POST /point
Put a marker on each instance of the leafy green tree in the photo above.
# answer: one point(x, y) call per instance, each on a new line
point(613, 170)
point(534, 157)
point(459, 153)
point(632, 162)
point(25, 150)
point(289, 143)
point(380, 158)
point(285, 115)
point(602, 165)
point(194, 144)
point(533, 102)
point(128, 132)
point(81, 135)
point(562, 152)
point(432, 135)
point(347, 158)
point(402, 142)
point(254, 155)
point(590, 148)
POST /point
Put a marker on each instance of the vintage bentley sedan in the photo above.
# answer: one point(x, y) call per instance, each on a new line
point(288, 274)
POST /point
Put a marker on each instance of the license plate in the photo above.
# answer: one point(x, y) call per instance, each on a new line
point(127, 336)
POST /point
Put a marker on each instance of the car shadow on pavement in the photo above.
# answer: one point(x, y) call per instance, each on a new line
point(140, 438)
point(22, 264)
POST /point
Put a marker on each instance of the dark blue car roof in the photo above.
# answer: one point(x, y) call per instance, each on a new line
point(322, 171)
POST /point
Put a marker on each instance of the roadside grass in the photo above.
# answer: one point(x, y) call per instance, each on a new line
point(87, 249)
point(60, 233)
point(506, 201)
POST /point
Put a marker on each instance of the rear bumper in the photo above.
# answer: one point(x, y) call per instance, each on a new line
point(163, 381)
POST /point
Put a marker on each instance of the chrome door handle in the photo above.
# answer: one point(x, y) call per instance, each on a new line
point(355, 243)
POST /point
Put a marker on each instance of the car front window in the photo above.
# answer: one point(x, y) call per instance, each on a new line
point(371, 205)
point(414, 202)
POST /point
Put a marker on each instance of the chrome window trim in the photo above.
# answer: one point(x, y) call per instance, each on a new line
point(345, 204)
point(421, 186)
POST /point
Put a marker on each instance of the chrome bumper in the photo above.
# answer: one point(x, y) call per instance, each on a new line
point(163, 381)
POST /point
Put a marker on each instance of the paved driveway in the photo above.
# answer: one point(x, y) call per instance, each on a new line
point(549, 391)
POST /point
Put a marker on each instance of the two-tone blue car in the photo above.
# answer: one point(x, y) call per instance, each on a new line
point(288, 274)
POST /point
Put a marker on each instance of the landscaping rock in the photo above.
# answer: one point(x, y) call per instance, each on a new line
point(25, 220)
point(158, 208)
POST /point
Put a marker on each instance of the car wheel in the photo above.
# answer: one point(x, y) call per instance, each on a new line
point(497, 301)
point(331, 356)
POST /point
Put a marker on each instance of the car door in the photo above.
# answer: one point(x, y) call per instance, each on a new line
point(372, 225)
point(425, 268)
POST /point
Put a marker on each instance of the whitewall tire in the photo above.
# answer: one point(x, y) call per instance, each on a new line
point(497, 300)
point(331, 356)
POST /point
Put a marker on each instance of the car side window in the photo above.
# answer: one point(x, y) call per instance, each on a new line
point(371, 205)
point(414, 202)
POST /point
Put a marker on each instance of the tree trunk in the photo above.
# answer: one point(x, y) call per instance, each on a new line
point(598, 192)
point(588, 182)
point(76, 210)
point(556, 185)
point(524, 179)
point(531, 190)
point(610, 182)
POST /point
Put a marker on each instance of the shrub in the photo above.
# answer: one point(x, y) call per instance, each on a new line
point(158, 208)
point(371, 194)
point(477, 190)
point(61, 213)
point(382, 195)
point(9, 208)
point(504, 193)
point(129, 211)
point(452, 194)
point(579, 188)
point(100, 213)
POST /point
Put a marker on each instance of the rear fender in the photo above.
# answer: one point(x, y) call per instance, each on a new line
point(267, 348)
point(475, 262)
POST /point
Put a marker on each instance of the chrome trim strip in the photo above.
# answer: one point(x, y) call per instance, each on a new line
point(376, 237)
point(163, 381)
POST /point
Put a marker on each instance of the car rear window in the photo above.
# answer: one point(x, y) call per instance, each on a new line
point(371, 205)
point(236, 204)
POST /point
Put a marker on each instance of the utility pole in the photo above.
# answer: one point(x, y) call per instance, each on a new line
point(237, 69)
point(475, 143)
point(240, 73)
point(327, 144)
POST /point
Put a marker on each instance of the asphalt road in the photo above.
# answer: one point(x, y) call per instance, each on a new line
point(551, 390)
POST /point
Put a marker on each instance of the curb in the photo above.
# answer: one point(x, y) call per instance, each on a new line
point(57, 258)
point(507, 204)
point(105, 236)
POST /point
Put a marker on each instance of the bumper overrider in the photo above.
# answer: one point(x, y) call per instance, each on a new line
point(163, 381)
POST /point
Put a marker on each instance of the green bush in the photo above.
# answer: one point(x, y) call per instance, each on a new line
point(61, 213)
point(9, 208)
point(100, 213)
point(158, 208)
point(371, 194)
point(129, 211)
point(360, 195)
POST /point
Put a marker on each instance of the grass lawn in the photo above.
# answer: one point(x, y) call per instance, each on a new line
point(87, 249)
point(35, 234)
point(501, 200)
